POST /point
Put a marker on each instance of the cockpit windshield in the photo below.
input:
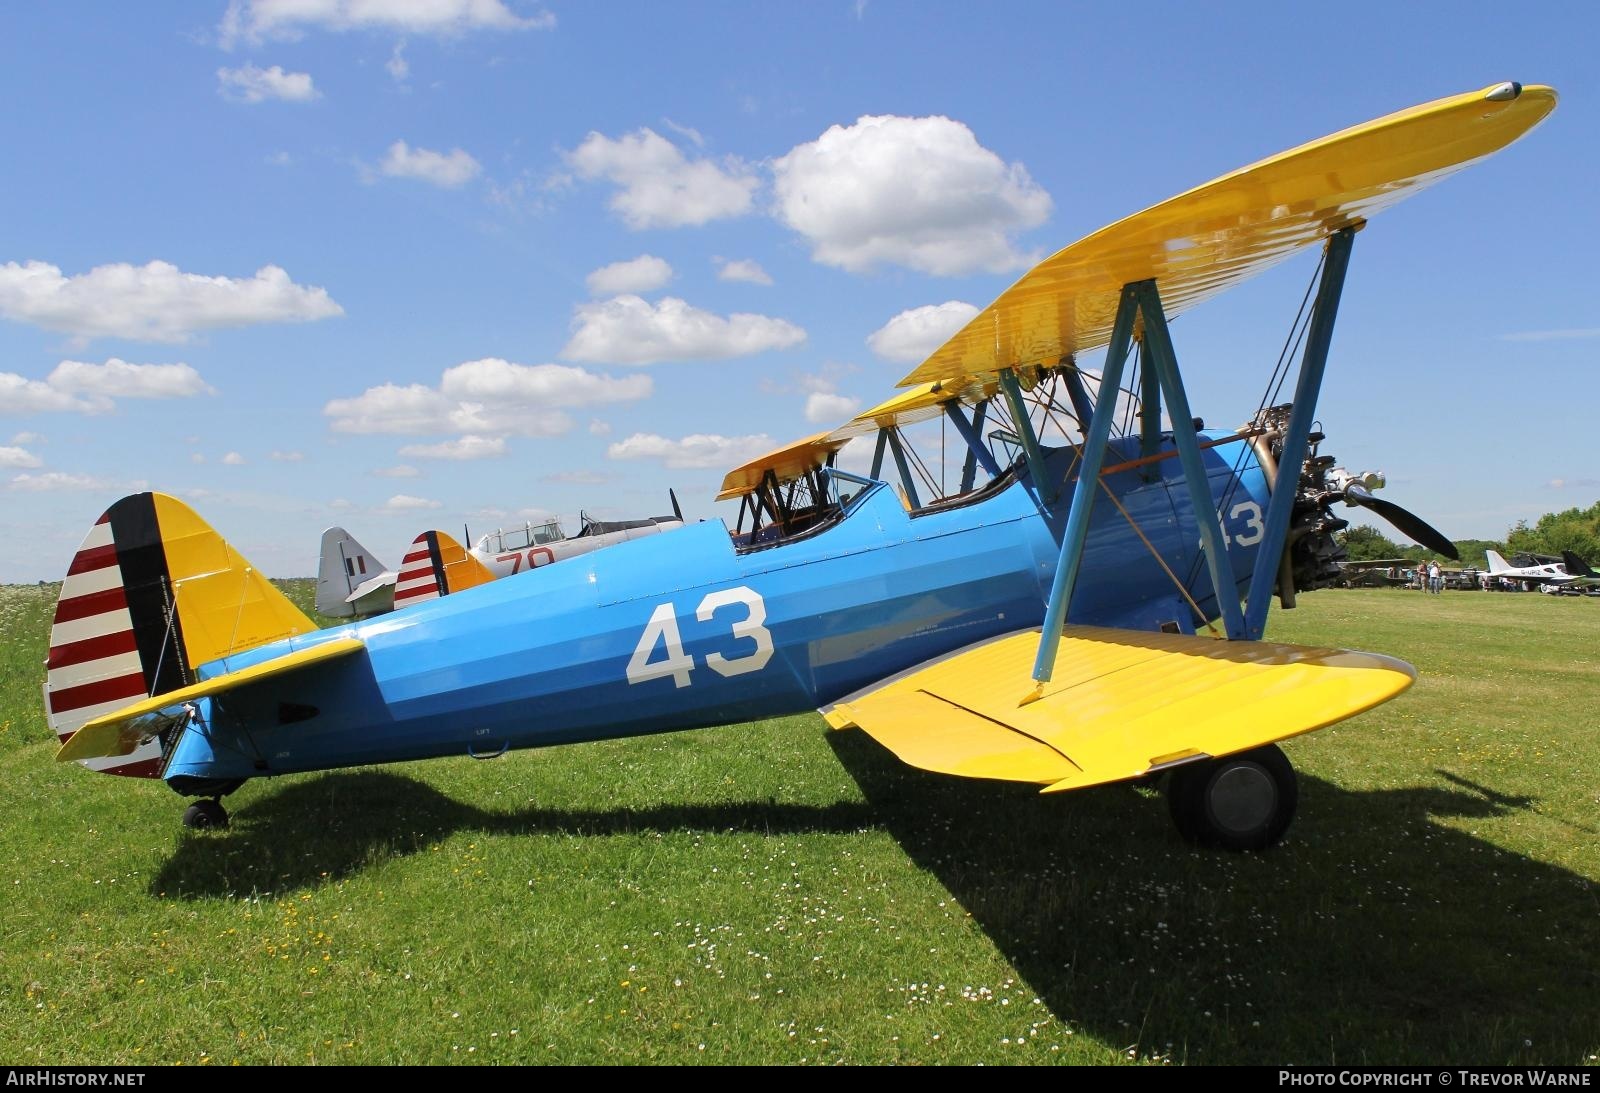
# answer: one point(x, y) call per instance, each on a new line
point(520, 538)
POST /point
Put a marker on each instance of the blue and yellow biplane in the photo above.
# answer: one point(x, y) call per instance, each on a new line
point(1013, 628)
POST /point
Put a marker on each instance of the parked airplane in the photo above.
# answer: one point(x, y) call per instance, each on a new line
point(1012, 630)
point(352, 583)
point(1376, 573)
point(1529, 576)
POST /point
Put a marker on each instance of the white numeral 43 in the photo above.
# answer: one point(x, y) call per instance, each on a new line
point(1254, 527)
point(662, 630)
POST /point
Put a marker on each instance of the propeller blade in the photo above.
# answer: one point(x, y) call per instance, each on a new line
point(1412, 526)
point(676, 511)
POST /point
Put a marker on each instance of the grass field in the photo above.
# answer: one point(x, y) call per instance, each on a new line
point(776, 893)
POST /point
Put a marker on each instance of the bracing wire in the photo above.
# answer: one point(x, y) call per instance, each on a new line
point(1269, 395)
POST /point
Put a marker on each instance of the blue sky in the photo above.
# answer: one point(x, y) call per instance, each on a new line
point(457, 261)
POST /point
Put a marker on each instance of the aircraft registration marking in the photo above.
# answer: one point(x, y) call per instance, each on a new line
point(662, 630)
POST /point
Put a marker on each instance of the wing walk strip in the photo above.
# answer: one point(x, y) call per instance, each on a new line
point(1121, 704)
point(1001, 724)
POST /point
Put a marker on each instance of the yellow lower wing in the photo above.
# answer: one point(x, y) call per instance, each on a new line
point(1121, 704)
point(121, 731)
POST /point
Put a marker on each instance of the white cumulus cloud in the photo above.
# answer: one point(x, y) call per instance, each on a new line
point(698, 450)
point(250, 84)
point(462, 448)
point(233, 459)
point(20, 395)
point(19, 458)
point(154, 302)
point(825, 408)
point(79, 387)
point(915, 192)
point(489, 397)
point(404, 502)
point(629, 330)
point(117, 378)
point(286, 457)
point(258, 20)
point(541, 384)
point(743, 269)
point(659, 187)
point(645, 273)
point(912, 335)
point(404, 470)
point(448, 170)
point(53, 481)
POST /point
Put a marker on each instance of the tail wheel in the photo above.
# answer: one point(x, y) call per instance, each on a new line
point(205, 814)
point(1240, 802)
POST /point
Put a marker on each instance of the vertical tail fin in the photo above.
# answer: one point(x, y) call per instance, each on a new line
point(436, 565)
point(152, 594)
point(1497, 564)
point(343, 567)
point(1576, 565)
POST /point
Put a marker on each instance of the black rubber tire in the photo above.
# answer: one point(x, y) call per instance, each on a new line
point(205, 814)
point(1240, 802)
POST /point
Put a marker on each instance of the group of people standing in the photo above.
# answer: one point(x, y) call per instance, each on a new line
point(1430, 578)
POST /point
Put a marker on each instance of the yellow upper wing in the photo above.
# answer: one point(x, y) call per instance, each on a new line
point(788, 462)
point(1120, 704)
point(1202, 241)
point(923, 402)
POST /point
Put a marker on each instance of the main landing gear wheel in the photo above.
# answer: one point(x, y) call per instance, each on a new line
point(205, 814)
point(1240, 802)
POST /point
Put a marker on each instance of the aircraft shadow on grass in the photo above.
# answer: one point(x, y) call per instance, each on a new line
point(1375, 931)
point(366, 815)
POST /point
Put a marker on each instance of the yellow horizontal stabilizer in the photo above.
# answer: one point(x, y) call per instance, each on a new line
point(1201, 242)
point(1121, 704)
point(120, 731)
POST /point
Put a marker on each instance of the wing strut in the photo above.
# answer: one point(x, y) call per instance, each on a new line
point(972, 433)
point(907, 482)
point(1083, 492)
point(1159, 355)
point(1149, 418)
point(1270, 553)
point(1043, 492)
point(1142, 301)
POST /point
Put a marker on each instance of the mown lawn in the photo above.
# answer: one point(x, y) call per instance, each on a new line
point(776, 893)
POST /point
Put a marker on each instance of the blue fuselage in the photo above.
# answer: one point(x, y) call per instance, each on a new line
point(681, 630)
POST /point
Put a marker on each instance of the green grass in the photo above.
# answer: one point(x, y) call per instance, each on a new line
point(777, 893)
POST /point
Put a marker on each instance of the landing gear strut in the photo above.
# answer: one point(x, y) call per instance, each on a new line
point(205, 814)
point(1240, 802)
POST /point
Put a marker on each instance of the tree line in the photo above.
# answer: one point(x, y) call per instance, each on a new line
point(1577, 530)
